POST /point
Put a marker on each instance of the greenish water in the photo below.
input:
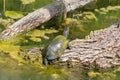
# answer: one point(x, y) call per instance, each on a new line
point(16, 5)
point(13, 68)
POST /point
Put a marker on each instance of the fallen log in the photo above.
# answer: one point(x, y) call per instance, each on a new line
point(33, 19)
point(101, 48)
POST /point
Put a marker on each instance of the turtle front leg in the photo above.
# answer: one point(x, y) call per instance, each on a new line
point(45, 61)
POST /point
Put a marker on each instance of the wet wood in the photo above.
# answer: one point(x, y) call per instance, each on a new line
point(101, 48)
point(33, 19)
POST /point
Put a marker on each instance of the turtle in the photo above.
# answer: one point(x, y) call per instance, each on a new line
point(55, 49)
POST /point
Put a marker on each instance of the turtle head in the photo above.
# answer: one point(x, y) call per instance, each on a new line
point(66, 32)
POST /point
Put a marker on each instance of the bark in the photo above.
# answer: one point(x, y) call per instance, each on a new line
point(40, 16)
point(101, 48)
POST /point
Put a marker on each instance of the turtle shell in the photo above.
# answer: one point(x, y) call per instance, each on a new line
point(56, 47)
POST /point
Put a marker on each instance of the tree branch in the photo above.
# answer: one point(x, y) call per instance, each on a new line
point(33, 19)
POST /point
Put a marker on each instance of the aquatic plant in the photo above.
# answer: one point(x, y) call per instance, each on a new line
point(37, 34)
point(6, 22)
point(93, 74)
point(13, 14)
point(27, 1)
